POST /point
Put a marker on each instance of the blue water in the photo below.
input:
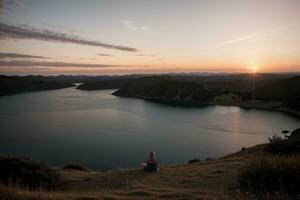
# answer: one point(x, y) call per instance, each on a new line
point(101, 131)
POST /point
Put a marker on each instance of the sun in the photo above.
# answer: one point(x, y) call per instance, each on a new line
point(253, 69)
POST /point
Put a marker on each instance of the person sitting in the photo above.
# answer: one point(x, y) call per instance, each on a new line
point(151, 163)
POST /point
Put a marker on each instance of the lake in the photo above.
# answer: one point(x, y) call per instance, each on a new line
point(102, 131)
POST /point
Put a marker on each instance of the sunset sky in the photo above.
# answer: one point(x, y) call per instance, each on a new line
point(139, 36)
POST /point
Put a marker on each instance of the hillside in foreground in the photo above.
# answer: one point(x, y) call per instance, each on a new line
point(224, 178)
point(211, 179)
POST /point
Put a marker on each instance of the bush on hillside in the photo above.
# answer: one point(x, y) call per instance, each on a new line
point(195, 160)
point(271, 174)
point(290, 145)
point(27, 173)
point(75, 167)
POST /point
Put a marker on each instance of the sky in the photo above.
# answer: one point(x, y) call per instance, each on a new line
point(156, 36)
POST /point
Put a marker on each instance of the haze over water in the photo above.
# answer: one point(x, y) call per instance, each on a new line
point(99, 130)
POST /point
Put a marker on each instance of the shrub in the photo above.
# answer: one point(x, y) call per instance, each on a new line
point(27, 173)
point(195, 160)
point(271, 174)
point(75, 167)
point(290, 145)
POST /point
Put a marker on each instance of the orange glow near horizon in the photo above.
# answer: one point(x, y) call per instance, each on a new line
point(199, 36)
point(254, 69)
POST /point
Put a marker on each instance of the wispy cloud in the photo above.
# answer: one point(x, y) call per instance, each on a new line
point(28, 32)
point(105, 54)
point(26, 63)
point(146, 55)
point(151, 55)
point(10, 4)
point(239, 39)
point(145, 28)
point(133, 26)
point(65, 28)
point(17, 55)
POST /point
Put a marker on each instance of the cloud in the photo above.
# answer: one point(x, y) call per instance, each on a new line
point(238, 40)
point(105, 54)
point(17, 55)
point(28, 32)
point(133, 27)
point(26, 63)
point(65, 28)
point(151, 55)
point(147, 55)
point(129, 24)
point(144, 28)
point(10, 4)
point(2, 4)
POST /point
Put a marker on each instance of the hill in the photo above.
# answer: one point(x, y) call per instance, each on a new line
point(165, 89)
point(112, 83)
point(15, 84)
point(266, 91)
point(286, 91)
point(211, 179)
point(266, 171)
point(20, 84)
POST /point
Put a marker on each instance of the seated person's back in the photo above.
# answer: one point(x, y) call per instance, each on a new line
point(151, 164)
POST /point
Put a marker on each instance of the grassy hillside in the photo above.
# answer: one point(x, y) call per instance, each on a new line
point(215, 179)
point(211, 179)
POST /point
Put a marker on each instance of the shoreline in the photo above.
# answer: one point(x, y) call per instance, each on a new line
point(253, 105)
point(257, 104)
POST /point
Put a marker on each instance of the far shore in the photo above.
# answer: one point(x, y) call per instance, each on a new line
point(255, 104)
point(262, 105)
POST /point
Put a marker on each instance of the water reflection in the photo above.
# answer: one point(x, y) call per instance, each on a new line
point(98, 130)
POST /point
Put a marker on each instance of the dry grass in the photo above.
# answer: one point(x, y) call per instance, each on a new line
point(215, 180)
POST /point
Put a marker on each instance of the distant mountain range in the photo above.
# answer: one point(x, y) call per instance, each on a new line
point(20, 84)
point(106, 82)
